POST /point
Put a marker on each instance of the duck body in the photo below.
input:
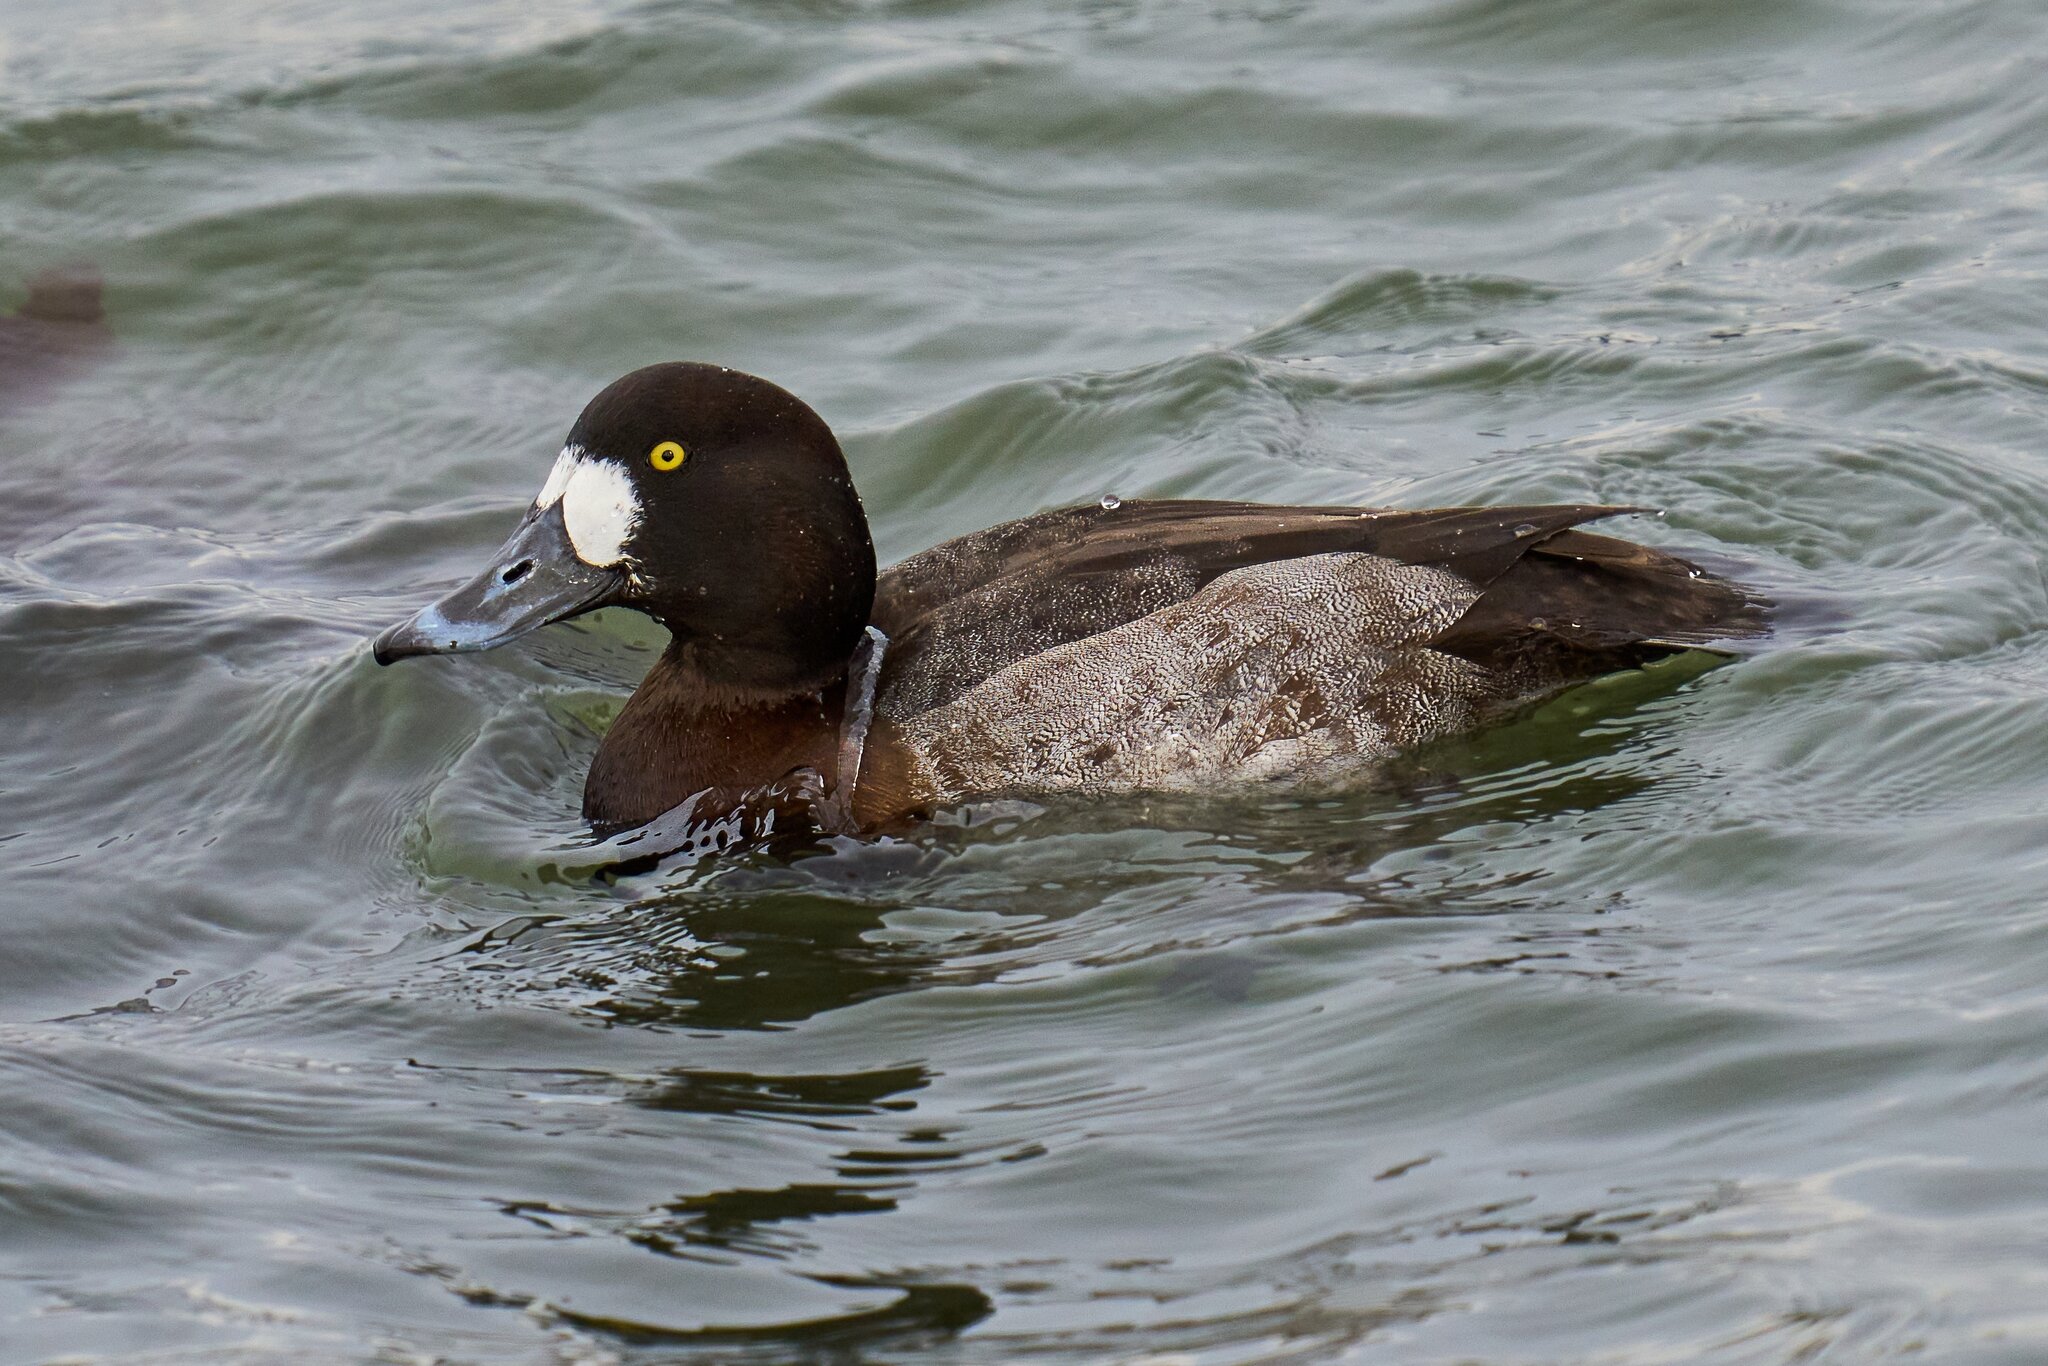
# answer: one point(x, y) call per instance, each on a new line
point(1147, 646)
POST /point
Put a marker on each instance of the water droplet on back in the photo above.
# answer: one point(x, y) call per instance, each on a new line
point(1526, 529)
point(1110, 502)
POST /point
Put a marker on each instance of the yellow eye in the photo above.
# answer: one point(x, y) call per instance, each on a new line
point(667, 456)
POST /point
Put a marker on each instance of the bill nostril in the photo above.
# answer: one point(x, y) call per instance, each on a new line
point(514, 573)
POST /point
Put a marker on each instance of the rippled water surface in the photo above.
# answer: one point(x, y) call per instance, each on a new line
point(1699, 1016)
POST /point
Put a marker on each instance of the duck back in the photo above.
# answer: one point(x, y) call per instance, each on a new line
point(1178, 645)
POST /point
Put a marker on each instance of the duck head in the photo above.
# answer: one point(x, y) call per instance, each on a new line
point(713, 501)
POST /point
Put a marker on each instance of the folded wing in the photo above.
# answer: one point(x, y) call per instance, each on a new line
point(1548, 604)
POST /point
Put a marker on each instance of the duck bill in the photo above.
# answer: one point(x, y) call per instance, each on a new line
point(535, 578)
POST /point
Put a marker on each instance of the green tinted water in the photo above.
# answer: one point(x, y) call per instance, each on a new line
point(1698, 1017)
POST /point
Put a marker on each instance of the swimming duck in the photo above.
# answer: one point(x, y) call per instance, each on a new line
point(1107, 648)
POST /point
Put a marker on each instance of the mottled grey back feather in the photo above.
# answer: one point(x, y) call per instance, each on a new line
point(1309, 668)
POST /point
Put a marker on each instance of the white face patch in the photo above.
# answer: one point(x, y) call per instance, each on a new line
point(599, 507)
point(558, 477)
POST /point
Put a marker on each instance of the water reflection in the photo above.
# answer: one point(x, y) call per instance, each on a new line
point(772, 1222)
point(712, 959)
point(736, 1271)
point(759, 941)
point(819, 1098)
point(1501, 1257)
point(765, 1222)
point(923, 1316)
point(745, 1220)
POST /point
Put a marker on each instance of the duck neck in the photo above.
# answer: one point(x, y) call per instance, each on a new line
point(686, 729)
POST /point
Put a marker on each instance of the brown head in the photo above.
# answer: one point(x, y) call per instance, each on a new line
point(715, 502)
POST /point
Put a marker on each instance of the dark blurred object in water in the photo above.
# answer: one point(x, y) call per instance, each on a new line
point(60, 327)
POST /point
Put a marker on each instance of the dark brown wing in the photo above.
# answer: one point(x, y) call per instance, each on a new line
point(1578, 605)
point(959, 612)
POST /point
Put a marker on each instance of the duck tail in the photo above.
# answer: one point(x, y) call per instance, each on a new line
point(1579, 604)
